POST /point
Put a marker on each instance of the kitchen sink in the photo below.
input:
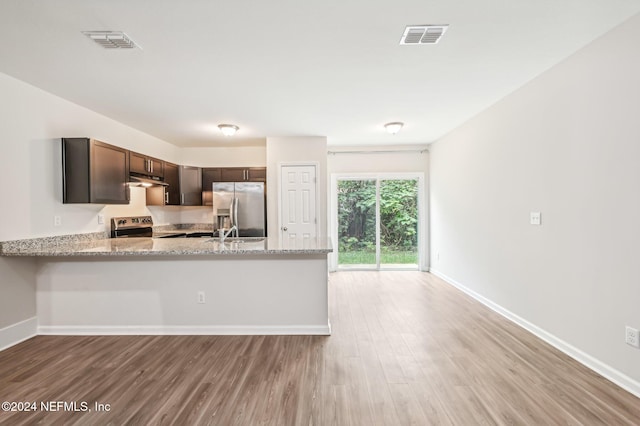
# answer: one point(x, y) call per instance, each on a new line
point(199, 234)
point(239, 239)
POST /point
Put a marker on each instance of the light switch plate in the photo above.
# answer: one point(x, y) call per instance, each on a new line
point(536, 218)
point(632, 337)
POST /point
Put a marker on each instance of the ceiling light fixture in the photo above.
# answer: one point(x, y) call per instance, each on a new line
point(393, 128)
point(111, 39)
point(228, 129)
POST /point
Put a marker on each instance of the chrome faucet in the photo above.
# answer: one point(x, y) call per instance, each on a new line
point(233, 220)
point(223, 235)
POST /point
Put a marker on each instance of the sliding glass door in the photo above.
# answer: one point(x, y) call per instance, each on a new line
point(399, 224)
point(377, 223)
point(357, 224)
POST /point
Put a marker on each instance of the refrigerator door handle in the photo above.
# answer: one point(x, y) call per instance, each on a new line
point(235, 214)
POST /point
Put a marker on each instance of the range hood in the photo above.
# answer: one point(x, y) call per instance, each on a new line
point(145, 181)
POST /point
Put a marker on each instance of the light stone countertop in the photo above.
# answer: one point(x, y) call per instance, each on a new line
point(101, 246)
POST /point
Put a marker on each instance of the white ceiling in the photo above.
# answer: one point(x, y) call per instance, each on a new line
point(289, 67)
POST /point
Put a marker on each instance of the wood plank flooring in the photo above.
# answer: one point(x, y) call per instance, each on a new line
point(406, 349)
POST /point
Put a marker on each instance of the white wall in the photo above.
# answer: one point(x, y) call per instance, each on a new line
point(378, 159)
point(568, 145)
point(295, 149)
point(17, 300)
point(241, 156)
point(33, 122)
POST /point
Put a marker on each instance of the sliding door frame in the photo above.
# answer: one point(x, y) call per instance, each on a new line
point(378, 177)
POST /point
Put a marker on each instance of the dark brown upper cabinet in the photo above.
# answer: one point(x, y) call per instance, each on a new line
point(172, 177)
point(243, 174)
point(184, 187)
point(257, 174)
point(169, 195)
point(94, 172)
point(209, 175)
point(233, 174)
point(190, 186)
point(145, 165)
point(229, 174)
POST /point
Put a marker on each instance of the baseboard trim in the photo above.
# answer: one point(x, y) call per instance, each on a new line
point(605, 370)
point(178, 330)
point(18, 332)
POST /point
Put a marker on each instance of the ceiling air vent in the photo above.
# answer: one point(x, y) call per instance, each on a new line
point(423, 34)
point(111, 39)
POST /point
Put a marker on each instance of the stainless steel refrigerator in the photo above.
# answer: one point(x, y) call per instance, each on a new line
point(240, 204)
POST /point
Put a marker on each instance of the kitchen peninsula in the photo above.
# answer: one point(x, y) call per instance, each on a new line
point(96, 285)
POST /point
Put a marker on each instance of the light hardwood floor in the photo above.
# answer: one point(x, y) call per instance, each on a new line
point(406, 349)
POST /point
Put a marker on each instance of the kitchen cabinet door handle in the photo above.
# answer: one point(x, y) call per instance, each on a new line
point(182, 198)
point(166, 198)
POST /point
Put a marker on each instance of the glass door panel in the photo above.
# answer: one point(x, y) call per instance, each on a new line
point(357, 200)
point(399, 224)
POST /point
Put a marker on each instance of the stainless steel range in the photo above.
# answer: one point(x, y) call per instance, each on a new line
point(131, 226)
point(142, 226)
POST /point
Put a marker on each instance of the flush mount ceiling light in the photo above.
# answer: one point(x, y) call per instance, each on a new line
point(111, 39)
point(423, 34)
point(228, 129)
point(394, 127)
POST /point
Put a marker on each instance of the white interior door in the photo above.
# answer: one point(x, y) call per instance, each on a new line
point(298, 215)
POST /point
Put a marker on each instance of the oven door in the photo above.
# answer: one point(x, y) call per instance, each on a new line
point(176, 235)
point(132, 232)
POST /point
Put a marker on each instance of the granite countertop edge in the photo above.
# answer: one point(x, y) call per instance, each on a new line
point(98, 244)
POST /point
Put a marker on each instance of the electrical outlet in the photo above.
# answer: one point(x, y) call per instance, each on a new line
point(631, 337)
point(201, 298)
point(100, 219)
point(535, 218)
point(57, 221)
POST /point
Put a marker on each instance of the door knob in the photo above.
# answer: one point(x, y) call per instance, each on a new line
point(284, 228)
